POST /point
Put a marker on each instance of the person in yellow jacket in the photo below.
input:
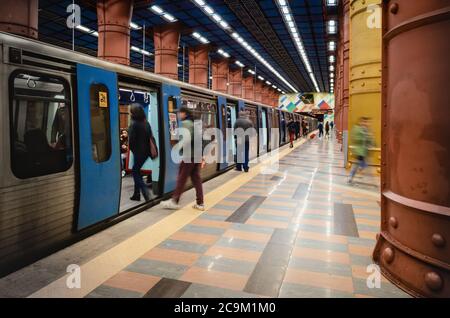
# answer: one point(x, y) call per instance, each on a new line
point(362, 140)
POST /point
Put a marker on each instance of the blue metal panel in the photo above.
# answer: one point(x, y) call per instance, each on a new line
point(99, 182)
point(171, 168)
point(222, 108)
point(240, 105)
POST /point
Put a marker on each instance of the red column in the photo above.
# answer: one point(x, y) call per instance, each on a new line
point(248, 87)
point(220, 75)
point(258, 91)
point(272, 97)
point(276, 99)
point(198, 65)
point(413, 248)
point(265, 95)
point(166, 40)
point(114, 19)
point(235, 87)
point(19, 17)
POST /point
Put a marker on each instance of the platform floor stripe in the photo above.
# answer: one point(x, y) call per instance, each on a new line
point(96, 271)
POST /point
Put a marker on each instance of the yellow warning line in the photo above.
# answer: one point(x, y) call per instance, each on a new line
point(101, 268)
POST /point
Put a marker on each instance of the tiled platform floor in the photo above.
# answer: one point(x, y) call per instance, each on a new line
point(298, 232)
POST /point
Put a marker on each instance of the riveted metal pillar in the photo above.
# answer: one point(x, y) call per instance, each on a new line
point(19, 17)
point(258, 91)
point(248, 87)
point(198, 65)
point(365, 71)
point(235, 80)
point(114, 19)
point(220, 75)
point(265, 99)
point(413, 248)
point(166, 40)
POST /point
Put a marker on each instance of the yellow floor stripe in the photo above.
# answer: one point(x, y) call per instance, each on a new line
point(107, 264)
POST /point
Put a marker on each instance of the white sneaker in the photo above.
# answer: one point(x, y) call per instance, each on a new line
point(170, 204)
point(200, 207)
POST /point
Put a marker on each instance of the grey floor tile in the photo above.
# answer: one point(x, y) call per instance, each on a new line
point(157, 268)
point(104, 291)
point(184, 246)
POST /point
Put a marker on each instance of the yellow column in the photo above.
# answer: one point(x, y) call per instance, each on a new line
point(365, 70)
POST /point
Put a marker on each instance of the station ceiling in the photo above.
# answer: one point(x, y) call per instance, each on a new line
point(262, 26)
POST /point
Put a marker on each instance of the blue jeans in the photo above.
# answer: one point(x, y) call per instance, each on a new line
point(361, 164)
point(139, 184)
point(246, 157)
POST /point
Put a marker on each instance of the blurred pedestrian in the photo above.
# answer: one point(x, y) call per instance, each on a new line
point(243, 142)
point(362, 140)
point(190, 166)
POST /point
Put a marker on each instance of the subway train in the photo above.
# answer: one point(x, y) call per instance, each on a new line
point(61, 167)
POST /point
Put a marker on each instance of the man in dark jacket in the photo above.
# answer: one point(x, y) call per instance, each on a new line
point(243, 143)
point(291, 130)
point(139, 134)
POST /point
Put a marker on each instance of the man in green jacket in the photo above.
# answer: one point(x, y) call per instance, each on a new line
point(362, 140)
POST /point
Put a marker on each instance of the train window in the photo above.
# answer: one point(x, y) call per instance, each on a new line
point(40, 124)
point(100, 123)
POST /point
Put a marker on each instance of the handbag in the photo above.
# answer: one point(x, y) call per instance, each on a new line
point(153, 148)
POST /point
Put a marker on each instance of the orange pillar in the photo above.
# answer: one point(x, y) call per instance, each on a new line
point(413, 248)
point(265, 99)
point(198, 65)
point(258, 91)
point(235, 87)
point(114, 19)
point(219, 75)
point(248, 87)
point(276, 99)
point(166, 40)
point(19, 17)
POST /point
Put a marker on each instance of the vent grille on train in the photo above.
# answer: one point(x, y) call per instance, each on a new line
point(48, 62)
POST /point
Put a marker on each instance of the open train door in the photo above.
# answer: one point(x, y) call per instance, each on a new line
point(99, 155)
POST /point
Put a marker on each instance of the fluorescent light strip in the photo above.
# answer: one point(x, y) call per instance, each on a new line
point(209, 11)
point(200, 38)
point(135, 26)
point(163, 14)
point(285, 11)
point(142, 51)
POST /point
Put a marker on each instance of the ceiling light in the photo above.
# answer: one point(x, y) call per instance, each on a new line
point(141, 51)
point(196, 35)
point(83, 28)
point(331, 75)
point(239, 64)
point(203, 40)
point(331, 3)
point(268, 83)
point(223, 24)
point(200, 2)
point(331, 68)
point(157, 9)
point(332, 28)
point(210, 12)
point(290, 24)
point(134, 26)
point(261, 78)
point(169, 17)
point(217, 17)
point(208, 9)
point(332, 46)
point(331, 59)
